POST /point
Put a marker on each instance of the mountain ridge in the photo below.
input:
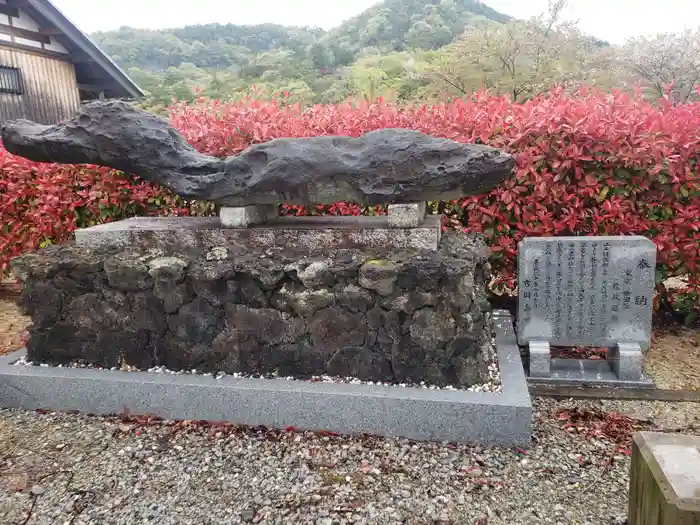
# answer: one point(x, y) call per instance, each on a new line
point(372, 54)
point(391, 25)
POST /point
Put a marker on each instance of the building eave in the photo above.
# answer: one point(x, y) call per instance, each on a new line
point(127, 88)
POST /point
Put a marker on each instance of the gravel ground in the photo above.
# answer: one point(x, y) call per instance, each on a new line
point(13, 326)
point(673, 361)
point(73, 469)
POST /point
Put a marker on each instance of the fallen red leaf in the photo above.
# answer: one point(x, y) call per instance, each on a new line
point(611, 426)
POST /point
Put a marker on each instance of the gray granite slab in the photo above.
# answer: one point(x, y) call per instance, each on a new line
point(308, 233)
point(587, 291)
point(540, 359)
point(424, 414)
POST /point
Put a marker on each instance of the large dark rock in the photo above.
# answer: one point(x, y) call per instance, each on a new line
point(43, 302)
point(385, 166)
point(264, 324)
point(196, 322)
point(92, 312)
point(127, 272)
point(333, 329)
point(305, 302)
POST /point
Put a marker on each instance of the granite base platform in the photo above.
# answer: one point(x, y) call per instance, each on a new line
point(503, 418)
point(312, 234)
point(586, 372)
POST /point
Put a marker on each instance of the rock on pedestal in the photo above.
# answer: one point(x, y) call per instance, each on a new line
point(380, 167)
point(665, 480)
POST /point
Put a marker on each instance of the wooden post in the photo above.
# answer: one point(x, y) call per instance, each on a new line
point(665, 479)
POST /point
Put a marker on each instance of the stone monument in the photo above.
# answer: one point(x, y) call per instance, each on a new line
point(586, 291)
point(377, 298)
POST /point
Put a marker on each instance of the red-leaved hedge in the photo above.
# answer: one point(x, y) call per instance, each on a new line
point(592, 164)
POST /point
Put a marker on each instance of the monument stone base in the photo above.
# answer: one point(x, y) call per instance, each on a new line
point(587, 372)
point(459, 416)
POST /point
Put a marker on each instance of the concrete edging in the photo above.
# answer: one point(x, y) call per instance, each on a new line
point(416, 413)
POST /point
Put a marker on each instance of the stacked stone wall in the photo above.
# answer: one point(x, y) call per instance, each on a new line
point(394, 315)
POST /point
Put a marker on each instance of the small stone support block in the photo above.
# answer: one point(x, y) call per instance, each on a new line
point(625, 361)
point(244, 216)
point(540, 359)
point(408, 215)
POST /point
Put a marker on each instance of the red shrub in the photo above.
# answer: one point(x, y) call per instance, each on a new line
point(42, 204)
point(590, 164)
point(594, 164)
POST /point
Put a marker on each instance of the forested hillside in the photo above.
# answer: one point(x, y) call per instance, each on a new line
point(393, 25)
point(226, 60)
point(401, 50)
point(218, 46)
point(399, 25)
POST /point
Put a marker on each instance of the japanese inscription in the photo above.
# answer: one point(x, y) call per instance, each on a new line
point(588, 291)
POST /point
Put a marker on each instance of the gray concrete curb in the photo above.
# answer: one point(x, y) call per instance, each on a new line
point(417, 413)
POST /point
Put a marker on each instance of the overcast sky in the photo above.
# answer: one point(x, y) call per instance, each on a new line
point(612, 20)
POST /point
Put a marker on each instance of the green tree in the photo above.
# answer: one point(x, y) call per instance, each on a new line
point(368, 82)
point(670, 60)
point(519, 58)
point(321, 56)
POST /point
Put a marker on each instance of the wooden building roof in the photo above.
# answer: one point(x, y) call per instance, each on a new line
point(95, 71)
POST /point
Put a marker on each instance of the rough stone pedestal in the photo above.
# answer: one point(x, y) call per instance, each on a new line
point(378, 314)
point(665, 480)
point(244, 216)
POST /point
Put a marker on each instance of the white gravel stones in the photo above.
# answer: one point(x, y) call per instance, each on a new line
point(492, 385)
point(126, 471)
point(218, 253)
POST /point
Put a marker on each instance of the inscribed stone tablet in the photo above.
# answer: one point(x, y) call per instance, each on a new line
point(587, 291)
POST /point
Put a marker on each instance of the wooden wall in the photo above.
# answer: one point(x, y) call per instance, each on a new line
point(50, 88)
